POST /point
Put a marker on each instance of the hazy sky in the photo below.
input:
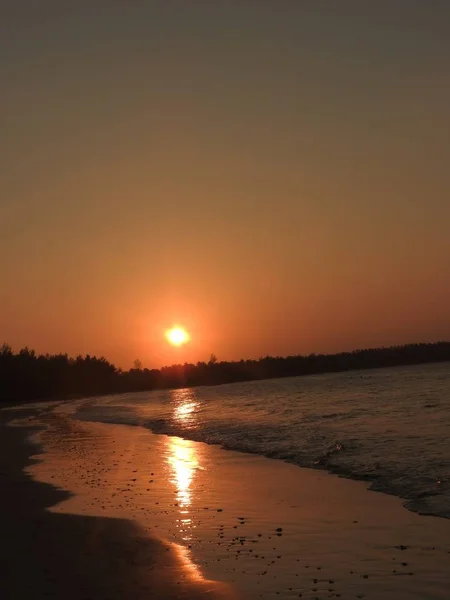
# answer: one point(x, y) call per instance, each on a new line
point(272, 174)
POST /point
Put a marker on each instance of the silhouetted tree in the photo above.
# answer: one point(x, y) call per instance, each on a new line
point(26, 376)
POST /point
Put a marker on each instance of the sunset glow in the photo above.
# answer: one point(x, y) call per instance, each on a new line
point(256, 228)
point(177, 336)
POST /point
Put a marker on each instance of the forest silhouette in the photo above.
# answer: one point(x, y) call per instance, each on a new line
point(26, 376)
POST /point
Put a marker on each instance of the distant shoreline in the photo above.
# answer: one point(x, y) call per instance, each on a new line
point(28, 377)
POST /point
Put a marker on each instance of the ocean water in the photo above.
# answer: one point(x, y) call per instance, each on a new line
point(388, 426)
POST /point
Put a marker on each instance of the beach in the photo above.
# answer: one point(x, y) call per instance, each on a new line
point(45, 553)
point(120, 512)
point(224, 306)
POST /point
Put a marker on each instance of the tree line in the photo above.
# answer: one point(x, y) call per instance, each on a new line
point(27, 376)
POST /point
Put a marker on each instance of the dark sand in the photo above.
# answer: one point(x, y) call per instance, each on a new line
point(49, 555)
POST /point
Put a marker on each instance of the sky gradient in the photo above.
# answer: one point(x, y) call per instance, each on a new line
point(274, 175)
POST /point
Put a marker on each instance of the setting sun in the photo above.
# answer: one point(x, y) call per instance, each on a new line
point(177, 336)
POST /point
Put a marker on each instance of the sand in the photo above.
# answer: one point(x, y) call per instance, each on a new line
point(47, 554)
point(164, 517)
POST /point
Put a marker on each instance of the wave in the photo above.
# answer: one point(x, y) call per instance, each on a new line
point(390, 429)
point(346, 457)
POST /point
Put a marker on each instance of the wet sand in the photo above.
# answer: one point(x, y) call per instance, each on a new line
point(48, 554)
point(265, 528)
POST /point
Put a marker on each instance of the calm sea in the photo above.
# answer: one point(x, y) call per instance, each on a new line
point(388, 426)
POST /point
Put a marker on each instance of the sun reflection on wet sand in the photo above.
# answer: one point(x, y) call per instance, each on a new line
point(193, 571)
point(183, 462)
point(210, 588)
point(183, 459)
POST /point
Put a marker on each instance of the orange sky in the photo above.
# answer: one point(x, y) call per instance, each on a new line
point(272, 175)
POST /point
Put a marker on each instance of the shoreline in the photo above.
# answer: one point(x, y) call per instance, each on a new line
point(180, 489)
point(49, 554)
point(426, 492)
point(410, 504)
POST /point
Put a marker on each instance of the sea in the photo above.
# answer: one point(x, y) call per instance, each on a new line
point(390, 427)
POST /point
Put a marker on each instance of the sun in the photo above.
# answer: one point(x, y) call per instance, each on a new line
point(177, 336)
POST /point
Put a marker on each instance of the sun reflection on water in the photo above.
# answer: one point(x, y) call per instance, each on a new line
point(183, 462)
point(185, 408)
point(183, 459)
